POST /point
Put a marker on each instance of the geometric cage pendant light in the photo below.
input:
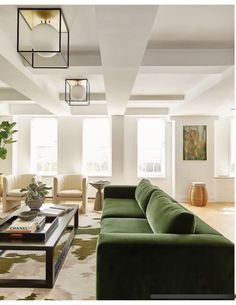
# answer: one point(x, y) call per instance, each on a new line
point(43, 37)
point(77, 92)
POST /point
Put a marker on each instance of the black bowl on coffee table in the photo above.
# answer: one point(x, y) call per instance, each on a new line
point(28, 215)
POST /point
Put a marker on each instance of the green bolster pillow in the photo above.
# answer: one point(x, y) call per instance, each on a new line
point(165, 216)
point(143, 193)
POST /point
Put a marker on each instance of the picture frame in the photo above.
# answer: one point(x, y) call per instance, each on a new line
point(195, 142)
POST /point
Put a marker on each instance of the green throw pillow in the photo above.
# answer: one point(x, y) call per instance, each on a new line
point(166, 216)
point(143, 193)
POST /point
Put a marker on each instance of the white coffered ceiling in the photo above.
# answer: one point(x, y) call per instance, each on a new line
point(176, 59)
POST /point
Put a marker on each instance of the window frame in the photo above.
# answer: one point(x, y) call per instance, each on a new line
point(84, 166)
point(161, 174)
point(34, 166)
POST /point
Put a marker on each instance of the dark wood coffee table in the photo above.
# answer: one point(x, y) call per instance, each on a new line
point(53, 266)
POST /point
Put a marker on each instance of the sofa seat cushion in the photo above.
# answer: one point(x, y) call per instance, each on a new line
point(166, 216)
point(16, 193)
point(120, 207)
point(125, 225)
point(69, 193)
point(143, 193)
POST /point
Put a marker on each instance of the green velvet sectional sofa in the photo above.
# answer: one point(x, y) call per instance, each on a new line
point(151, 247)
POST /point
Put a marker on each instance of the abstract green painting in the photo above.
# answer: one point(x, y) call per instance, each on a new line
point(194, 142)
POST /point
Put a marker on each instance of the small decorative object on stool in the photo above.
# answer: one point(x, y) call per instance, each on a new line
point(198, 194)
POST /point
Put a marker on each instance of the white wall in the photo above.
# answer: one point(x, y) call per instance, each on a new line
point(222, 146)
point(187, 171)
point(224, 189)
point(223, 184)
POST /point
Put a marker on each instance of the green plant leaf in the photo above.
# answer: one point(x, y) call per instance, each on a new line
point(3, 153)
point(36, 190)
point(6, 132)
point(3, 134)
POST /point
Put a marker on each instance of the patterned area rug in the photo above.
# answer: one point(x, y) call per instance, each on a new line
point(77, 278)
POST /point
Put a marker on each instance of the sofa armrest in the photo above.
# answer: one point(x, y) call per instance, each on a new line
point(57, 182)
point(143, 266)
point(7, 184)
point(120, 191)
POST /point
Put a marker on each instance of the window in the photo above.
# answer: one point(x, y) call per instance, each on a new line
point(232, 152)
point(151, 147)
point(44, 145)
point(96, 147)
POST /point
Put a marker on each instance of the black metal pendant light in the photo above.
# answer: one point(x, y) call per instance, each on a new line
point(77, 92)
point(43, 37)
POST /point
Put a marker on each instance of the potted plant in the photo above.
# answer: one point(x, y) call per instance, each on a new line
point(35, 194)
point(6, 133)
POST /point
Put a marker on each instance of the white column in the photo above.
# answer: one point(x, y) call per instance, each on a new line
point(117, 149)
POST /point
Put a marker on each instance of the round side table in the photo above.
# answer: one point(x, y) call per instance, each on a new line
point(198, 194)
point(99, 185)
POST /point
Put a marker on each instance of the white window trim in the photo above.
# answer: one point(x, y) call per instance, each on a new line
point(94, 175)
point(33, 166)
point(162, 174)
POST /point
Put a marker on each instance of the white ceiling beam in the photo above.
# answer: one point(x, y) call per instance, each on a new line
point(210, 100)
point(32, 109)
point(203, 86)
point(182, 69)
point(9, 94)
point(79, 59)
point(76, 71)
point(147, 111)
point(14, 74)
point(188, 57)
point(160, 97)
point(123, 33)
point(94, 110)
point(153, 104)
point(93, 96)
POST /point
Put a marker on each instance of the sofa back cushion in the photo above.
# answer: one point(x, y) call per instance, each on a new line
point(143, 193)
point(166, 216)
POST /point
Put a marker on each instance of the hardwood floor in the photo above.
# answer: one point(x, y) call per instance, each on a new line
point(219, 215)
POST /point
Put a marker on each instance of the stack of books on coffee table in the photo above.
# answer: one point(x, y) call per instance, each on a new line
point(26, 226)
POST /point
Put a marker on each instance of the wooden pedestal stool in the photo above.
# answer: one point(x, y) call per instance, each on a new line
point(198, 194)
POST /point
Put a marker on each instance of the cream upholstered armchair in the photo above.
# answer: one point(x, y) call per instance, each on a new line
point(70, 187)
point(12, 184)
